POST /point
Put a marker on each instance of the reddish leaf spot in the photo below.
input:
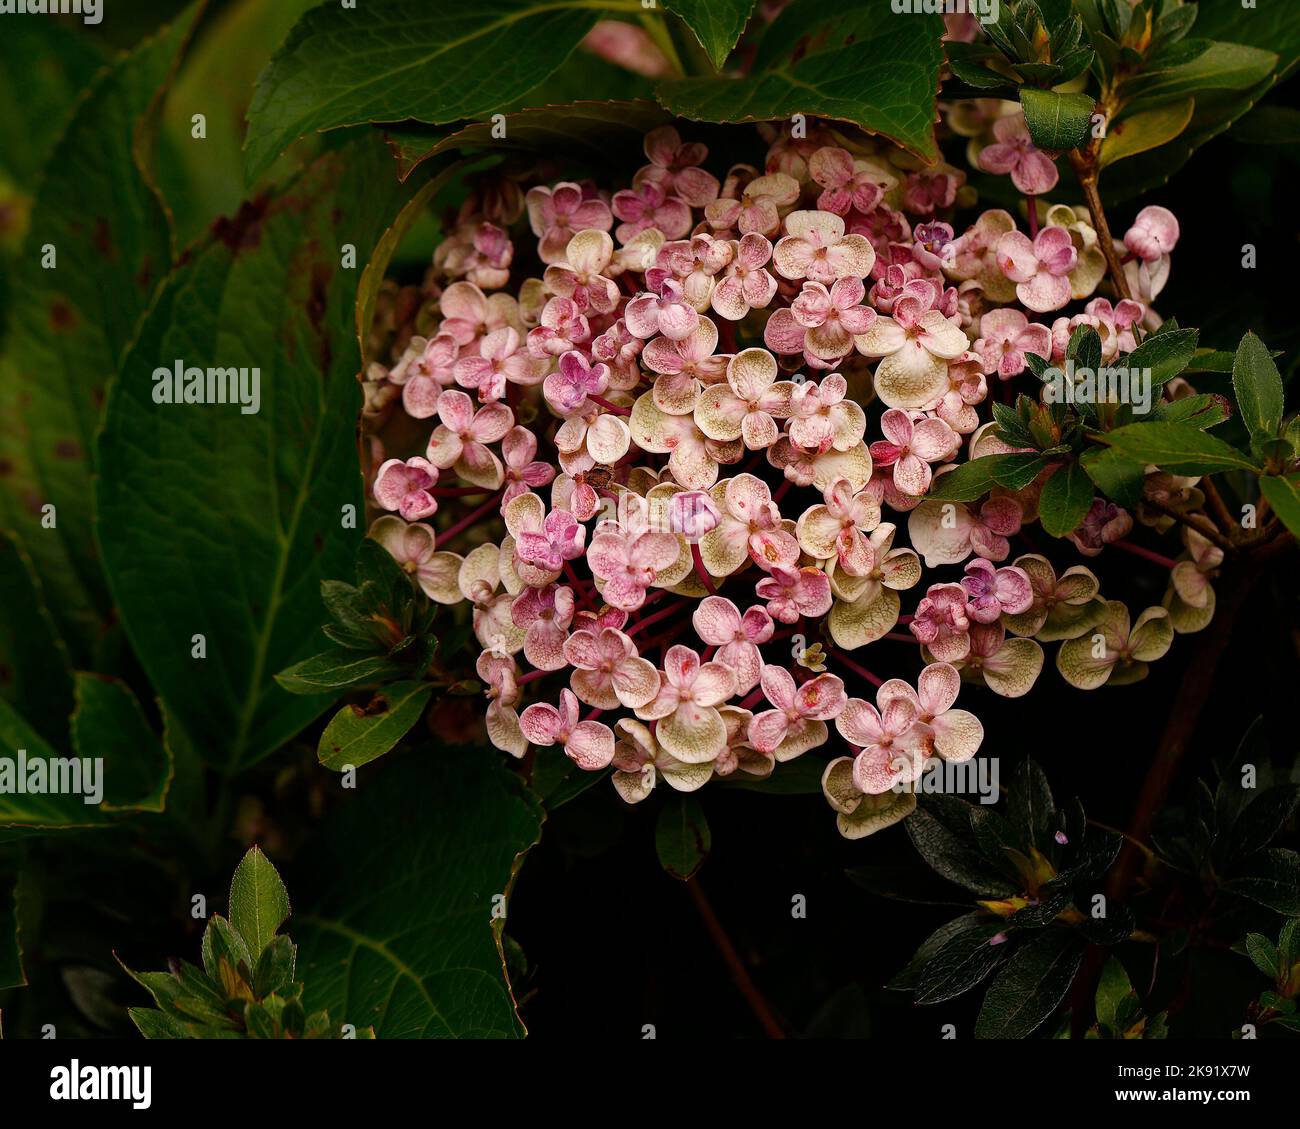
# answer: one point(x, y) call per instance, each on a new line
point(243, 230)
point(67, 449)
point(62, 319)
point(103, 239)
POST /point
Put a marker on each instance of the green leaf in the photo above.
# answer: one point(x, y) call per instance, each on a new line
point(1177, 447)
point(70, 324)
point(961, 963)
point(1264, 954)
point(1057, 121)
point(1015, 472)
point(1067, 496)
point(46, 65)
point(1224, 66)
point(1119, 478)
point(1272, 878)
point(390, 60)
point(969, 481)
point(717, 24)
point(682, 836)
point(1163, 355)
point(1112, 990)
point(259, 903)
point(36, 669)
point(1283, 494)
point(1263, 818)
point(940, 830)
point(1149, 129)
point(883, 81)
point(1269, 125)
point(44, 810)
point(1205, 409)
point(400, 920)
point(1030, 986)
point(1258, 388)
point(1030, 806)
point(109, 723)
point(359, 734)
point(235, 550)
point(336, 669)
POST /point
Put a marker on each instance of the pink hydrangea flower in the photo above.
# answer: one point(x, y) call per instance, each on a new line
point(1014, 152)
point(719, 623)
point(688, 724)
point(947, 532)
point(692, 513)
point(821, 322)
point(664, 310)
point(794, 592)
point(461, 439)
point(1006, 335)
point(845, 184)
point(404, 485)
point(523, 469)
point(749, 526)
point(748, 404)
point(912, 442)
point(758, 209)
point(674, 167)
point(822, 416)
point(914, 345)
point(941, 622)
point(563, 328)
point(580, 275)
point(891, 740)
point(684, 365)
point(797, 721)
point(1154, 234)
point(426, 368)
point(544, 614)
point(620, 349)
point(817, 248)
point(841, 528)
point(747, 284)
point(647, 206)
point(991, 591)
point(566, 390)
point(1103, 524)
point(501, 358)
point(608, 672)
point(927, 190)
point(560, 539)
point(557, 214)
point(1041, 269)
point(629, 563)
point(956, 734)
point(589, 744)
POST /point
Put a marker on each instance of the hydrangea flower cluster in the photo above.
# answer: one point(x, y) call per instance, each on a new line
point(675, 525)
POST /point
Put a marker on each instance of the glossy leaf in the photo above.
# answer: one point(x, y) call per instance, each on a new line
point(1057, 121)
point(1066, 498)
point(259, 903)
point(1177, 447)
point(1030, 985)
point(1258, 388)
point(360, 733)
point(717, 24)
point(682, 837)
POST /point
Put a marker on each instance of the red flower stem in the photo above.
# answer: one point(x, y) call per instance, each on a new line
point(861, 671)
point(593, 715)
point(1033, 217)
point(782, 489)
point(701, 571)
point(608, 405)
point(474, 515)
point(457, 491)
point(532, 676)
point(1145, 554)
point(899, 637)
point(753, 698)
point(656, 617)
point(906, 618)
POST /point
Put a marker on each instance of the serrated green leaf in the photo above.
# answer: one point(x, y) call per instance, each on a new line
point(399, 914)
point(393, 60)
point(717, 24)
point(1203, 410)
point(960, 964)
point(70, 324)
point(970, 480)
point(1163, 355)
point(1258, 388)
point(1223, 66)
point(1119, 478)
point(109, 723)
point(883, 81)
point(1150, 129)
point(1066, 498)
point(940, 830)
point(1030, 985)
point(237, 557)
point(1263, 953)
point(1270, 877)
point(682, 836)
point(259, 903)
point(359, 734)
point(1177, 447)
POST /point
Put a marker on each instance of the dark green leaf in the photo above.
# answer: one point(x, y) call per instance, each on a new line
point(1140, 132)
point(1263, 818)
point(1119, 478)
point(108, 722)
point(970, 480)
point(1272, 878)
point(359, 734)
point(400, 914)
point(717, 24)
point(960, 964)
point(1057, 121)
point(1177, 447)
point(390, 60)
point(1203, 410)
point(1283, 494)
point(1030, 986)
point(1163, 355)
point(682, 836)
point(1264, 953)
point(1067, 496)
point(940, 830)
point(259, 903)
point(337, 669)
point(1258, 387)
